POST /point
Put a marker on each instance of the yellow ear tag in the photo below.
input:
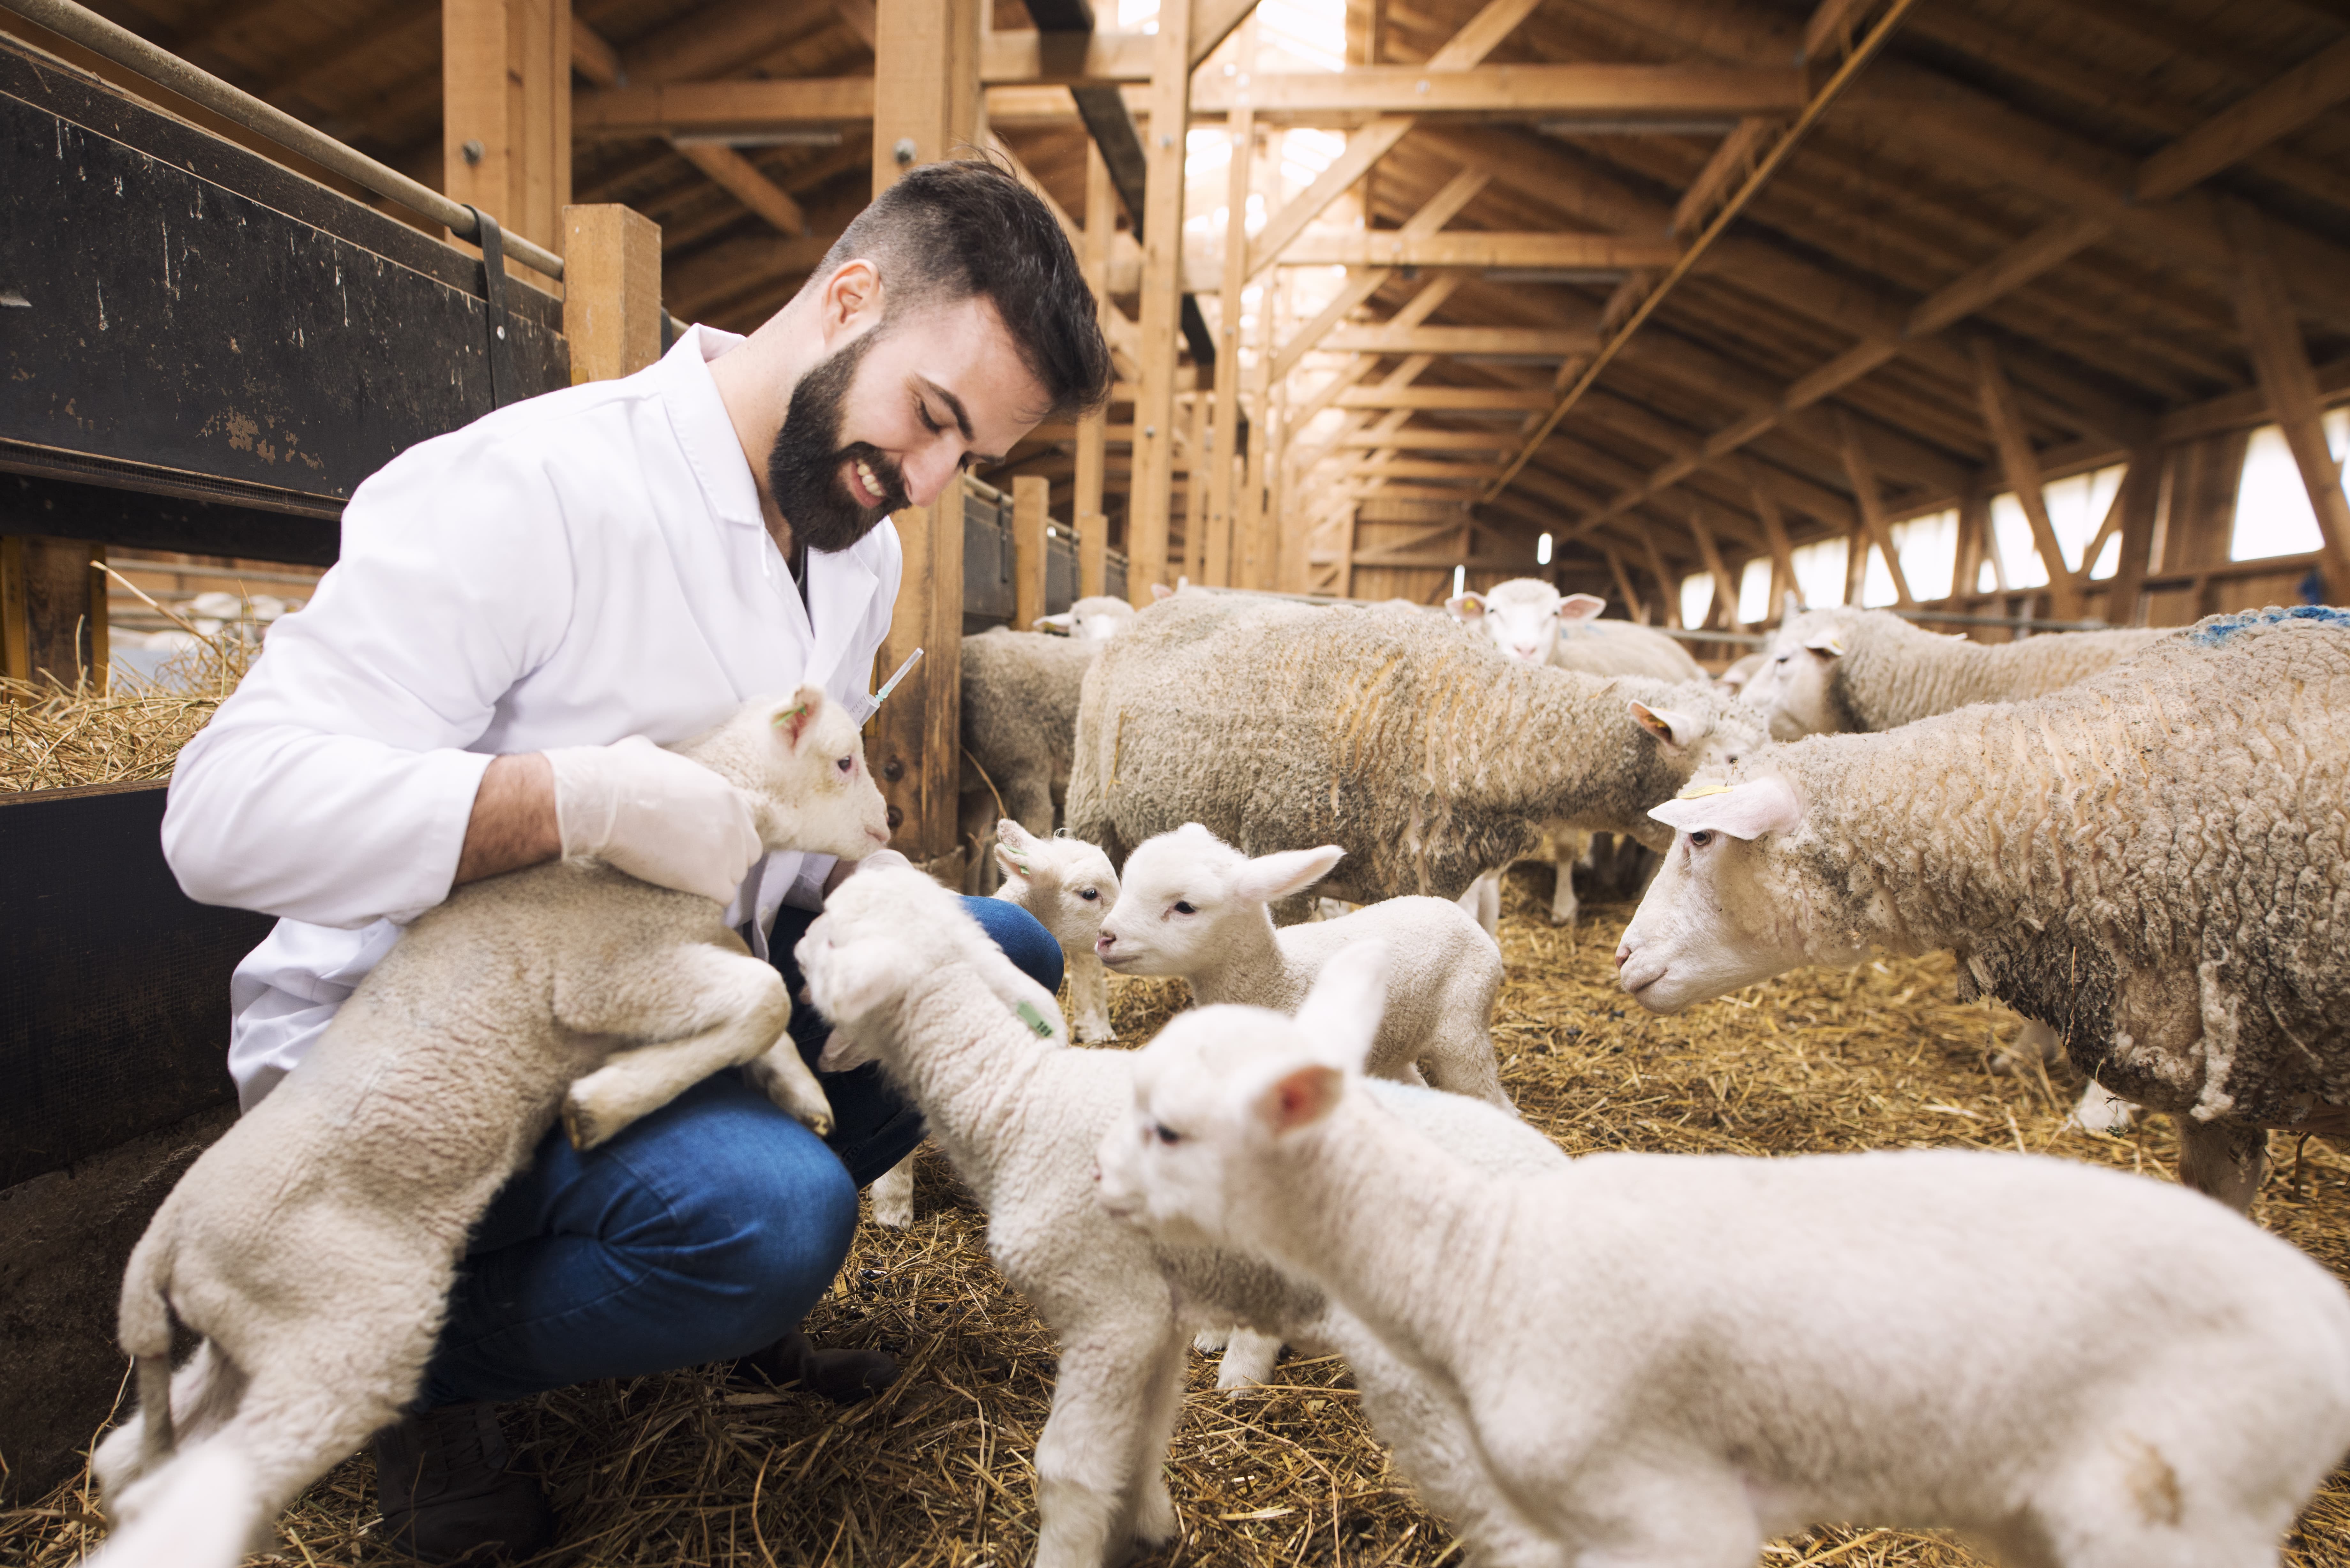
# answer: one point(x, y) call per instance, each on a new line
point(1034, 1020)
point(1699, 792)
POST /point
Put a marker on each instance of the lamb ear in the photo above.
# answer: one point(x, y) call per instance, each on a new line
point(1466, 607)
point(1061, 623)
point(1342, 1012)
point(1581, 607)
point(1014, 845)
point(847, 982)
point(1161, 591)
point(1745, 810)
point(1674, 729)
point(796, 719)
point(1270, 876)
point(1829, 642)
point(1299, 1097)
point(842, 1050)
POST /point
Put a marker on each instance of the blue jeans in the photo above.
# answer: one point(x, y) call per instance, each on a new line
point(704, 1232)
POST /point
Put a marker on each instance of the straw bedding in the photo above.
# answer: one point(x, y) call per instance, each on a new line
point(61, 737)
point(695, 1469)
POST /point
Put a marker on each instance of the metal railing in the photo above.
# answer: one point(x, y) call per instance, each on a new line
point(129, 51)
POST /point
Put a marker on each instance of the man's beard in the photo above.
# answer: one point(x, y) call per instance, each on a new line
point(806, 470)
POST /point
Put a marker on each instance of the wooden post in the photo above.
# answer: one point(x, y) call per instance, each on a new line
point(1224, 543)
point(1725, 587)
point(1032, 496)
point(2006, 418)
point(1974, 517)
point(611, 291)
point(1783, 558)
point(1634, 609)
point(1162, 291)
point(1101, 224)
point(1199, 462)
point(1665, 584)
point(1257, 551)
point(2141, 492)
point(1093, 554)
point(2280, 360)
point(1862, 472)
point(505, 113)
point(53, 611)
point(925, 101)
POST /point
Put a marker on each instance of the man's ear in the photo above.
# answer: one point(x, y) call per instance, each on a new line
point(1746, 811)
point(1299, 1097)
point(1581, 607)
point(1341, 1014)
point(1467, 609)
point(794, 719)
point(852, 301)
point(1674, 729)
point(1270, 876)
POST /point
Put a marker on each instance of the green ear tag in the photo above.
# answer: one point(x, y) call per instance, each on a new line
point(787, 717)
point(1034, 1020)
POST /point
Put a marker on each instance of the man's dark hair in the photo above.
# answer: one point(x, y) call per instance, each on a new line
point(951, 231)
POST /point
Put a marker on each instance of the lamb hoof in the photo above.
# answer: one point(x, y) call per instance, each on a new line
point(2103, 1112)
point(1210, 1341)
point(1154, 1523)
point(581, 1124)
point(1094, 1031)
point(785, 1079)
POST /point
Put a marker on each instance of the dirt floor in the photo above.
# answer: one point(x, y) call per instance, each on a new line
point(692, 1469)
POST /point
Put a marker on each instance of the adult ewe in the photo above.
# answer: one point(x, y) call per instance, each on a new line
point(1529, 620)
point(2155, 863)
point(312, 1247)
point(1420, 755)
point(1843, 670)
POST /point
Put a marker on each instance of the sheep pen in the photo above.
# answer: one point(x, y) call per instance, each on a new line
point(695, 1467)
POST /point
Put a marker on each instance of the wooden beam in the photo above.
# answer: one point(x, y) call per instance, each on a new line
point(1417, 468)
point(1030, 497)
point(1394, 247)
point(611, 291)
point(1101, 221)
point(1027, 57)
point(1213, 21)
point(1551, 343)
point(53, 612)
point(1830, 27)
point(1224, 542)
point(2280, 360)
point(2279, 109)
point(2139, 500)
point(926, 84)
point(1420, 440)
point(2005, 421)
point(716, 108)
point(1870, 499)
point(1162, 278)
point(741, 178)
point(506, 92)
point(725, 270)
point(1725, 587)
point(1443, 399)
point(1730, 163)
point(1613, 92)
point(1370, 144)
point(1635, 606)
point(861, 17)
point(1666, 588)
point(1362, 283)
point(1774, 530)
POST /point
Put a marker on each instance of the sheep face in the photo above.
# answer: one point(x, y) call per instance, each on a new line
point(1066, 883)
point(879, 929)
point(1523, 616)
point(1184, 892)
point(1220, 1089)
point(1793, 687)
point(1716, 918)
point(802, 761)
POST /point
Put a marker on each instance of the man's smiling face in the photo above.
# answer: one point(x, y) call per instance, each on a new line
point(892, 417)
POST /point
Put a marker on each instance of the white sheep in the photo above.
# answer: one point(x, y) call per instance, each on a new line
point(1842, 670)
point(1068, 886)
point(1097, 618)
point(909, 980)
point(312, 1248)
point(1669, 1359)
point(1529, 620)
point(2151, 862)
point(1192, 904)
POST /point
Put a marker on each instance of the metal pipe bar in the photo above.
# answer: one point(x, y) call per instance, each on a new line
point(1952, 617)
point(1744, 638)
point(128, 49)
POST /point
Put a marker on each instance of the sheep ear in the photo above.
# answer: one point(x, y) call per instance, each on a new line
point(1060, 623)
point(1342, 1012)
point(1299, 1097)
point(1674, 729)
point(1745, 810)
point(794, 721)
point(1581, 607)
point(1270, 876)
point(1161, 591)
point(1013, 846)
point(842, 1050)
point(1466, 607)
point(1829, 642)
point(854, 980)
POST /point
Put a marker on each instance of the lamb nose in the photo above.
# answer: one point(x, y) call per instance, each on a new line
point(1623, 951)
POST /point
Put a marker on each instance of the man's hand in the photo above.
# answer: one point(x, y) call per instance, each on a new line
point(655, 816)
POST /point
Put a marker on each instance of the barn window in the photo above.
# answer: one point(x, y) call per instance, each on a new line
point(1819, 571)
point(2273, 514)
point(1697, 598)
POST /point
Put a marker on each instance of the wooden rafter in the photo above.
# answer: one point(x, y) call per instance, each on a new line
point(2024, 476)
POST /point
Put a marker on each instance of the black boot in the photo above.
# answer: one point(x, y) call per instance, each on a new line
point(450, 1490)
point(843, 1376)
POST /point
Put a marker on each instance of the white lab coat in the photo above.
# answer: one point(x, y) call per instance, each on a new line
point(577, 569)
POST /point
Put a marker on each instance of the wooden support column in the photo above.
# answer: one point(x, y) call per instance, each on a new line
point(1974, 516)
point(1862, 472)
point(1162, 298)
point(1725, 587)
point(2005, 419)
point(1198, 463)
point(2141, 495)
point(1664, 583)
point(1855, 565)
point(1032, 495)
point(505, 113)
point(926, 100)
point(1225, 544)
point(1635, 607)
point(1101, 224)
point(2280, 360)
point(1783, 558)
point(611, 291)
point(53, 611)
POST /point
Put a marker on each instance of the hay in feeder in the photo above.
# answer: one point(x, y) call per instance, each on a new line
point(695, 1469)
point(127, 730)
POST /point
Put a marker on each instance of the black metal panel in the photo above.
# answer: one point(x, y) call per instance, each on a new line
point(192, 306)
point(113, 983)
point(1114, 573)
point(40, 503)
point(1060, 573)
point(987, 594)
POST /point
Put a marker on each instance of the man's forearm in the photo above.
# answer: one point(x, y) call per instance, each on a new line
point(513, 822)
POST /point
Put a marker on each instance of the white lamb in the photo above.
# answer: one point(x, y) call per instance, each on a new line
point(312, 1247)
point(1095, 619)
point(1669, 1359)
point(1068, 886)
point(1194, 906)
point(910, 981)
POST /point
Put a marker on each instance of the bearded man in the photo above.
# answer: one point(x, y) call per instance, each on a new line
point(626, 558)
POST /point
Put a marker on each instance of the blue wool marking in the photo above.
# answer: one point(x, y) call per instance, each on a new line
point(2220, 628)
